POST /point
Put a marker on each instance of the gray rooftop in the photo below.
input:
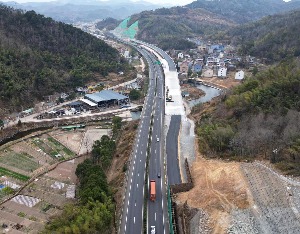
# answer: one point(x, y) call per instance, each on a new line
point(105, 95)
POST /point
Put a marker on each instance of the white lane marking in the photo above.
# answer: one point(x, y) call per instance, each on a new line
point(155, 216)
point(128, 202)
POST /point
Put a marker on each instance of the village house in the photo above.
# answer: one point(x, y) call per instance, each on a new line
point(240, 75)
point(202, 48)
point(180, 55)
point(126, 54)
point(184, 67)
point(197, 67)
point(222, 72)
point(208, 73)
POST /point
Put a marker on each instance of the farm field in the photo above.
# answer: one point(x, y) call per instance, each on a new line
point(48, 193)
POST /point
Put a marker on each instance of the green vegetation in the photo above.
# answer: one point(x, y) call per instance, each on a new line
point(273, 38)
point(242, 11)
point(258, 118)
point(59, 146)
point(46, 206)
point(108, 23)
point(39, 56)
point(8, 190)
point(94, 212)
point(21, 214)
point(103, 151)
point(6, 172)
point(20, 161)
point(32, 218)
point(116, 125)
point(135, 95)
point(53, 148)
point(276, 90)
point(176, 24)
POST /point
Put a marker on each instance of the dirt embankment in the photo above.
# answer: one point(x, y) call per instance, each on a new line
point(116, 173)
point(220, 187)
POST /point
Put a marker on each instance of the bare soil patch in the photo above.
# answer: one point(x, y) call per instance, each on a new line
point(194, 92)
point(219, 188)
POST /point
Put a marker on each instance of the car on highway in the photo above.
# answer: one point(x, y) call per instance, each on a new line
point(158, 175)
point(153, 230)
point(157, 139)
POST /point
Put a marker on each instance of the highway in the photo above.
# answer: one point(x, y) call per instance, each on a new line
point(151, 137)
point(133, 210)
point(157, 212)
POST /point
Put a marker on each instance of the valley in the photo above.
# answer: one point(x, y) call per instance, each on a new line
point(167, 120)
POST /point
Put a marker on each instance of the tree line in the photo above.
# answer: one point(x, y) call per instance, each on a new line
point(258, 118)
point(39, 56)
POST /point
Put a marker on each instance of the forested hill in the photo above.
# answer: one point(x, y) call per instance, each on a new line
point(39, 56)
point(242, 11)
point(175, 24)
point(273, 37)
point(258, 119)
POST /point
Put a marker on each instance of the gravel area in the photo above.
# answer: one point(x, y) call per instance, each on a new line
point(276, 203)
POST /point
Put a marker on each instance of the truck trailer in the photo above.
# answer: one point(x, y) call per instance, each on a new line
point(152, 190)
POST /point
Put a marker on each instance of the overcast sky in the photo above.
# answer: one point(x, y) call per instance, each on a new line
point(163, 2)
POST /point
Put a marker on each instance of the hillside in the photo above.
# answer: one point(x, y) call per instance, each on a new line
point(39, 56)
point(108, 23)
point(273, 37)
point(70, 11)
point(176, 24)
point(242, 11)
point(258, 119)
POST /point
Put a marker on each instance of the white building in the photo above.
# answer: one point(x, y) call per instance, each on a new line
point(180, 55)
point(126, 54)
point(240, 75)
point(222, 72)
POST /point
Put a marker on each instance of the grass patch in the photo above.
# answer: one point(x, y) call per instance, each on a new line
point(46, 207)
point(20, 161)
point(32, 218)
point(4, 171)
point(60, 147)
point(21, 214)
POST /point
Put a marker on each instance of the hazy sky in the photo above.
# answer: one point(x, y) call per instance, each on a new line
point(163, 2)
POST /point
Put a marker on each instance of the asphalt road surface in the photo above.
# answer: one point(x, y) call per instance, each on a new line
point(133, 210)
point(157, 212)
point(150, 131)
point(173, 170)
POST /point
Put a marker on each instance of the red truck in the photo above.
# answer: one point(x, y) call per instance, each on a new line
point(152, 190)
